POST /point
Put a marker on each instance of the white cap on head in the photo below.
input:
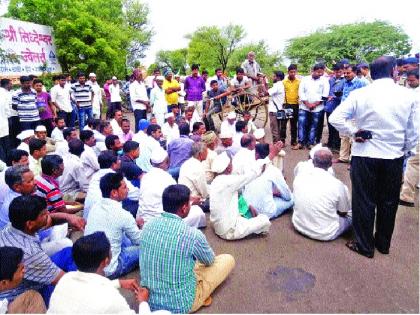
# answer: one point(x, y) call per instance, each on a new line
point(167, 115)
point(314, 149)
point(160, 78)
point(25, 134)
point(92, 75)
point(158, 156)
point(231, 115)
point(259, 133)
point(220, 163)
point(114, 78)
point(225, 134)
point(40, 128)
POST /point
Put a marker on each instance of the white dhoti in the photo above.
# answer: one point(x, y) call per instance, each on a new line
point(244, 227)
point(196, 218)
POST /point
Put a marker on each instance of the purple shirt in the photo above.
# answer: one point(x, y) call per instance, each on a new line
point(179, 150)
point(194, 88)
point(42, 100)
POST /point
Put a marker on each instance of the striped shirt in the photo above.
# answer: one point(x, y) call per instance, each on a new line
point(39, 269)
point(25, 104)
point(82, 94)
point(47, 187)
point(169, 250)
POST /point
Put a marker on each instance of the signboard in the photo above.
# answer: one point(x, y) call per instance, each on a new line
point(32, 43)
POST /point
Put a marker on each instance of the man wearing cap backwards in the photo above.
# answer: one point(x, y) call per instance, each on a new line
point(224, 213)
point(170, 129)
point(229, 123)
point(25, 136)
point(210, 139)
point(171, 88)
point(152, 186)
point(158, 101)
point(97, 95)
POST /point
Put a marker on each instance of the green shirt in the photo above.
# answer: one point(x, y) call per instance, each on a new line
point(169, 250)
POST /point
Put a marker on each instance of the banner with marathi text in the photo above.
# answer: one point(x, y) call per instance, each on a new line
point(32, 43)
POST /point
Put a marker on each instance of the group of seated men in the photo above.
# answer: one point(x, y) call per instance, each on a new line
point(140, 199)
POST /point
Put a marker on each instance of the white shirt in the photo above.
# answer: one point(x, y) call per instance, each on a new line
point(97, 94)
point(94, 194)
point(226, 127)
point(89, 161)
point(4, 113)
point(152, 186)
point(73, 179)
point(109, 216)
point(318, 197)
point(224, 211)
point(146, 148)
point(6, 99)
point(114, 90)
point(386, 109)
point(61, 96)
point(57, 134)
point(88, 293)
point(312, 91)
point(116, 129)
point(277, 94)
point(193, 176)
point(242, 160)
point(236, 140)
point(158, 101)
point(251, 126)
point(170, 133)
point(138, 92)
point(259, 192)
point(305, 166)
point(207, 164)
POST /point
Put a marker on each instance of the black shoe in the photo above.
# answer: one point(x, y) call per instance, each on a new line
point(352, 245)
point(382, 251)
point(406, 203)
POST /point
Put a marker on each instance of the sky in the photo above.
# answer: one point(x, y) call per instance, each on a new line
point(273, 21)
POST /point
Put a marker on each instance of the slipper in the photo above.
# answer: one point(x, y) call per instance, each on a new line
point(208, 301)
point(352, 245)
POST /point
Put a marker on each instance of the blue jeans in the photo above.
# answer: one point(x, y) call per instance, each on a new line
point(64, 260)
point(308, 126)
point(83, 112)
point(128, 260)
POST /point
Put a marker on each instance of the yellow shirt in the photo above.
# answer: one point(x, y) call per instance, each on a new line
point(291, 89)
point(171, 99)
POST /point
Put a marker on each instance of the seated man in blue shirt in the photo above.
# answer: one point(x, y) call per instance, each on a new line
point(177, 263)
point(11, 276)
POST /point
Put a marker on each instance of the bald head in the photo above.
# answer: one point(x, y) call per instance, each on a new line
point(323, 158)
point(248, 141)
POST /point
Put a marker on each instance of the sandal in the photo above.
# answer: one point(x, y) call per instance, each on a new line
point(208, 301)
point(352, 245)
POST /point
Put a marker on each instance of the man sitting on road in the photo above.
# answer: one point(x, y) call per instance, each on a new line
point(322, 202)
point(188, 270)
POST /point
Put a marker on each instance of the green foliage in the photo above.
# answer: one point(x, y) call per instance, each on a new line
point(99, 36)
point(174, 59)
point(212, 46)
point(356, 42)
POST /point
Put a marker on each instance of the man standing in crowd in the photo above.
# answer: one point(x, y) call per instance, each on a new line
point(115, 93)
point(275, 104)
point(139, 99)
point(97, 95)
point(60, 97)
point(291, 91)
point(378, 153)
point(82, 94)
point(251, 68)
point(24, 102)
point(171, 88)
point(194, 87)
point(312, 93)
point(4, 121)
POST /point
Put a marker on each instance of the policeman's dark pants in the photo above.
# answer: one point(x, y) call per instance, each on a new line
point(376, 185)
point(334, 140)
point(293, 124)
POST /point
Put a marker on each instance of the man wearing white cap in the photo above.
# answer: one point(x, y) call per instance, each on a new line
point(41, 133)
point(224, 213)
point(170, 129)
point(114, 91)
point(211, 141)
point(229, 123)
point(259, 135)
point(158, 101)
point(97, 95)
point(25, 136)
point(226, 141)
point(152, 186)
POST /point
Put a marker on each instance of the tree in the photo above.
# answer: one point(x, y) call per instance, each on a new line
point(91, 35)
point(268, 61)
point(357, 42)
point(136, 20)
point(174, 59)
point(211, 46)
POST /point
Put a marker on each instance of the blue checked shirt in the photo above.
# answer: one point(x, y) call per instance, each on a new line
point(169, 250)
point(352, 85)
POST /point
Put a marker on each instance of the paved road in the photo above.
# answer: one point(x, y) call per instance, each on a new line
point(285, 272)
